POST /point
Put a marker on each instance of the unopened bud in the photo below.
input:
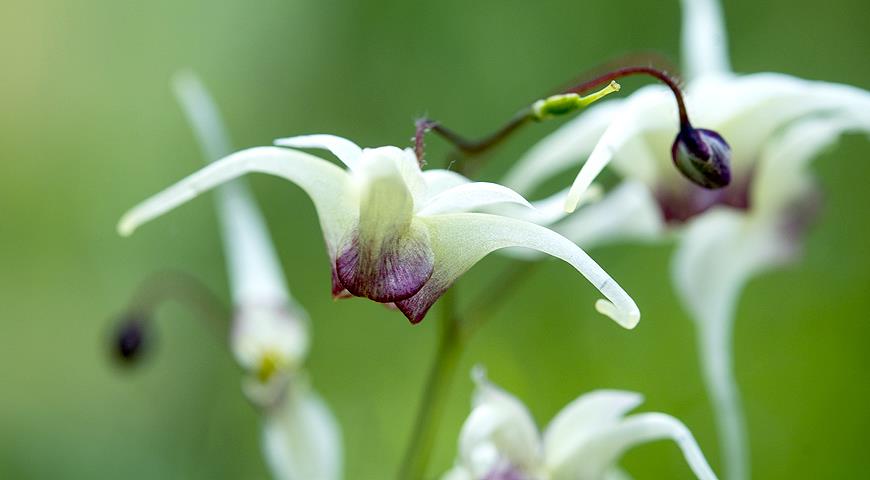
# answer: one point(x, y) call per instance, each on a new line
point(703, 157)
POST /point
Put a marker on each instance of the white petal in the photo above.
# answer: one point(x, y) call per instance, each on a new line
point(460, 240)
point(254, 269)
point(326, 184)
point(649, 111)
point(602, 452)
point(471, 196)
point(202, 115)
point(267, 323)
point(704, 40)
point(549, 210)
point(628, 213)
point(301, 439)
point(564, 148)
point(458, 473)
point(783, 171)
point(345, 150)
point(748, 110)
point(718, 253)
point(499, 429)
point(438, 180)
point(582, 419)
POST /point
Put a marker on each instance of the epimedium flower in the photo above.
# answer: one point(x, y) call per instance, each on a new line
point(394, 233)
point(499, 439)
point(775, 124)
point(270, 333)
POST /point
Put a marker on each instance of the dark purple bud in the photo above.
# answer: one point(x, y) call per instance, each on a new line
point(702, 156)
point(131, 338)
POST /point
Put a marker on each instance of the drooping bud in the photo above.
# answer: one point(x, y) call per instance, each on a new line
point(131, 337)
point(702, 156)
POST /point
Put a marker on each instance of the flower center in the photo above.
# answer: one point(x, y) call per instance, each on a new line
point(680, 205)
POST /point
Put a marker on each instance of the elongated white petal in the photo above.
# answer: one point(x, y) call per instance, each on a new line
point(600, 453)
point(648, 111)
point(438, 180)
point(498, 431)
point(254, 269)
point(783, 173)
point(566, 147)
point(460, 240)
point(268, 325)
point(345, 150)
point(628, 213)
point(704, 41)
point(719, 251)
point(301, 439)
point(471, 196)
point(202, 115)
point(582, 419)
point(327, 185)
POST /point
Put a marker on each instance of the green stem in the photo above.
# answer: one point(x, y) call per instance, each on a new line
point(450, 344)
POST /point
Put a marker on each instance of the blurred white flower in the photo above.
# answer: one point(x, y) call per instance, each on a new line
point(269, 337)
point(499, 440)
point(775, 125)
point(395, 234)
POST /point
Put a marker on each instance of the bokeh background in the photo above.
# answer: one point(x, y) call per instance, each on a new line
point(88, 127)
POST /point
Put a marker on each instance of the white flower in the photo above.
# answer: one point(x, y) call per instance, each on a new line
point(394, 233)
point(775, 124)
point(269, 337)
point(499, 440)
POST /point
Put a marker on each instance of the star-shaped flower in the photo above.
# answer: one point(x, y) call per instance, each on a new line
point(499, 439)
point(775, 124)
point(395, 234)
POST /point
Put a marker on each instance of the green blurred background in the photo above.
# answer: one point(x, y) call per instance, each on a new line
point(88, 127)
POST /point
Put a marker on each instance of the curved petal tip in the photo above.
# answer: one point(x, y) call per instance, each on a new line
point(626, 319)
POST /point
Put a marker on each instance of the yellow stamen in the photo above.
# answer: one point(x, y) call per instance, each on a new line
point(270, 363)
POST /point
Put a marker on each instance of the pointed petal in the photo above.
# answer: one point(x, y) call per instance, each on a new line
point(345, 150)
point(582, 419)
point(438, 180)
point(629, 213)
point(718, 253)
point(499, 430)
point(301, 439)
point(549, 210)
point(647, 113)
point(748, 110)
point(704, 39)
point(254, 269)
point(471, 196)
point(460, 240)
point(389, 258)
point(602, 452)
point(566, 147)
point(326, 184)
point(202, 115)
point(782, 175)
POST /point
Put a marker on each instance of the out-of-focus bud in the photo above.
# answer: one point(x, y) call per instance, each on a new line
point(131, 338)
point(702, 156)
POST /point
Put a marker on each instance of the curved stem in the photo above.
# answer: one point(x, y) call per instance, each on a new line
point(450, 344)
point(185, 289)
point(472, 147)
point(714, 342)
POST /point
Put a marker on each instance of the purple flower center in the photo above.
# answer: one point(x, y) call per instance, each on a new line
point(678, 206)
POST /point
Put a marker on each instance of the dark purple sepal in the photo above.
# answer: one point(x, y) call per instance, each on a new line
point(416, 307)
point(338, 290)
point(396, 271)
point(702, 156)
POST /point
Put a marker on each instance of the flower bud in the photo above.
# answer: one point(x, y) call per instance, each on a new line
point(131, 338)
point(703, 157)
